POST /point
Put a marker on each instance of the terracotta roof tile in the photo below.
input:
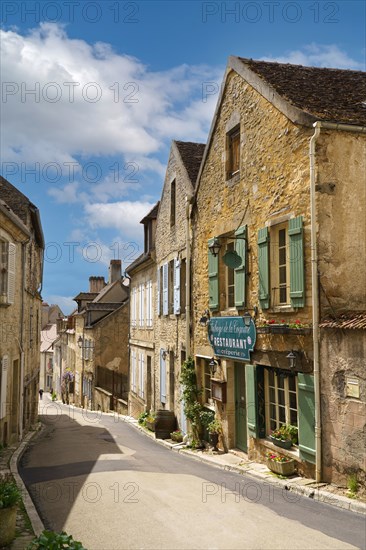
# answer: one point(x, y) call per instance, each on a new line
point(334, 95)
point(347, 320)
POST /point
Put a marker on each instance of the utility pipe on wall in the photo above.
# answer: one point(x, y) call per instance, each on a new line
point(188, 276)
point(314, 279)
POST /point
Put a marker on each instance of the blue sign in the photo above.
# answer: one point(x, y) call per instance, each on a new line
point(231, 338)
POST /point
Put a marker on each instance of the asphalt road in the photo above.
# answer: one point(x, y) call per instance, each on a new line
point(111, 487)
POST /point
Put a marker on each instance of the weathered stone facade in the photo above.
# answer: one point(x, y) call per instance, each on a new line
point(20, 310)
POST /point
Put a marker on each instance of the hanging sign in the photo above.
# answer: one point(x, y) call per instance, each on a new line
point(231, 338)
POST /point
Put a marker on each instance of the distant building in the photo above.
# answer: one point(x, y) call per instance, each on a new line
point(21, 269)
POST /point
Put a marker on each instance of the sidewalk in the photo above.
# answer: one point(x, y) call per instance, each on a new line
point(236, 461)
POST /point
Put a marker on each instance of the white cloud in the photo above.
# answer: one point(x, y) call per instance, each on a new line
point(124, 216)
point(136, 110)
point(66, 303)
point(319, 55)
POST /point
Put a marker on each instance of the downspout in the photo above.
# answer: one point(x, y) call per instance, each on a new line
point(315, 303)
point(188, 276)
point(314, 279)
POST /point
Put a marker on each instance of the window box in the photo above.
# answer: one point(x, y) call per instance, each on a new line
point(279, 329)
point(263, 330)
point(283, 443)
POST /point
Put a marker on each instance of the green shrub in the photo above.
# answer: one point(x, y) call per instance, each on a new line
point(55, 541)
point(352, 483)
point(9, 493)
point(142, 417)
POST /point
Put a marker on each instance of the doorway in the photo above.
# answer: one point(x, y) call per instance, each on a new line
point(240, 408)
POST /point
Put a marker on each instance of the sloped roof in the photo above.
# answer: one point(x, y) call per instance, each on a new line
point(86, 296)
point(48, 336)
point(22, 206)
point(333, 95)
point(347, 320)
point(139, 261)
point(152, 215)
point(191, 154)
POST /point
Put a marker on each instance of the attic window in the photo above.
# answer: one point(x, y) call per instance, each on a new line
point(233, 152)
point(172, 202)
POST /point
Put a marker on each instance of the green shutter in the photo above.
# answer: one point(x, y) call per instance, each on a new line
point(263, 267)
point(251, 396)
point(297, 281)
point(306, 416)
point(213, 279)
point(240, 272)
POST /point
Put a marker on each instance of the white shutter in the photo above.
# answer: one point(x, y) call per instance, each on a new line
point(4, 385)
point(11, 273)
point(141, 375)
point(133, 313)
point(149, 304)
point(165, 289)
point(133, 381)
point(142, 305)
point(162, 377)
point(176, 286)
point(158, 297)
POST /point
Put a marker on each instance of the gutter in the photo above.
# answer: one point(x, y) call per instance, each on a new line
point(189, 199)
point(318, 125)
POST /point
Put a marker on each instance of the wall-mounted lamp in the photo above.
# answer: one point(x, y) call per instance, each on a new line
point(292, 356)
point(213, 364)
point(216, 244)
point(247, 318)
point(205, 318)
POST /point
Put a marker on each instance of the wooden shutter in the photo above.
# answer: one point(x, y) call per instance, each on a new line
point(165, 289)
point(251, 397)
point(149, 303)
point(158, 297)
point(263, 267)
point(162, 377)
point(4, 385)
point(176, 286)
point(133, 356)
point(297, 278)
point(213, 279)
point(142, 376)
point(306, 416)
point(240, 272)
point(11, 272)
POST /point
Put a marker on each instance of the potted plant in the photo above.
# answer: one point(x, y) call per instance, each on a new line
point(150, 422)
point(214, 429)
point(10, 496)
point(56, 541)
point(281, 465)
point(177, 436)
point(285, 436)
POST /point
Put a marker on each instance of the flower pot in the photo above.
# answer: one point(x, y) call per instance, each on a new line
point(214, 439)
point(281, 468)
point(150, 425)
point(283, 443)
point(176, 438)
point(8, 517)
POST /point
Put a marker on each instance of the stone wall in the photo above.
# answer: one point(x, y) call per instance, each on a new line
point(343, 355)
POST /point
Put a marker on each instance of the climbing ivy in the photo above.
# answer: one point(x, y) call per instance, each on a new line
point(190, 396)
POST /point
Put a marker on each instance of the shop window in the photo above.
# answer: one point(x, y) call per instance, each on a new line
point(280, 399)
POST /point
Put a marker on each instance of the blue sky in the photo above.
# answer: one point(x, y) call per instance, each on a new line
point(94, 92)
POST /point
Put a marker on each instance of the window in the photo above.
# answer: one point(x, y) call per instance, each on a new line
point(141, 375)
point(205, 380)
point(148, 243)
point(230, 282)
point(230, 277)
point(172, 202)
point(280, 273)
point(141, 304)
point(133, 369)
point(280, 399)
point(171, 286)
point(281, 265)
point(182, 289)
point(7, 272)
point(133, 306)
point(149, 320)
point(233, 144)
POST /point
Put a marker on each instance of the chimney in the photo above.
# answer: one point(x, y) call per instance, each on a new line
point(96, 284)
point(115, 271)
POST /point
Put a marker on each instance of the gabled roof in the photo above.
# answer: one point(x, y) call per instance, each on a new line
point(139, 261)
point(191, 154)
point(86, 296)
point(22, 206)
point(332, 95)
point(152, 215)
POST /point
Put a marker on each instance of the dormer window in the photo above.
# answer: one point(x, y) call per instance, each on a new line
point(148, 236)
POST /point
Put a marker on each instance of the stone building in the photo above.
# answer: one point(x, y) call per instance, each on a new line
point(21, 270)
point(101, 342)
point(173, 245)
point(279, 209)
point(142, 273)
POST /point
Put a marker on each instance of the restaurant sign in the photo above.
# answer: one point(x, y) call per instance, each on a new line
point(230, 337)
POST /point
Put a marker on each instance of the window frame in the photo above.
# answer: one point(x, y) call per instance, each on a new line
point(173, 202)
point(275, 265)
point(229, 271)
point(233, 146)
point(287, 405)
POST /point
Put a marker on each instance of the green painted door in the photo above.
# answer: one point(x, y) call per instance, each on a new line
point(240, 407)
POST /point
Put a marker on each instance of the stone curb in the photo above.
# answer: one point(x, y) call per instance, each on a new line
point(37, 524)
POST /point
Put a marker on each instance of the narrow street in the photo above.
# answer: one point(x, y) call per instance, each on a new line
point(101, 480)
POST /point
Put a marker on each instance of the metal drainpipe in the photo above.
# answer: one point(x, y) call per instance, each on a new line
point(188, 276)
point(21, 346)
point(314, 280)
